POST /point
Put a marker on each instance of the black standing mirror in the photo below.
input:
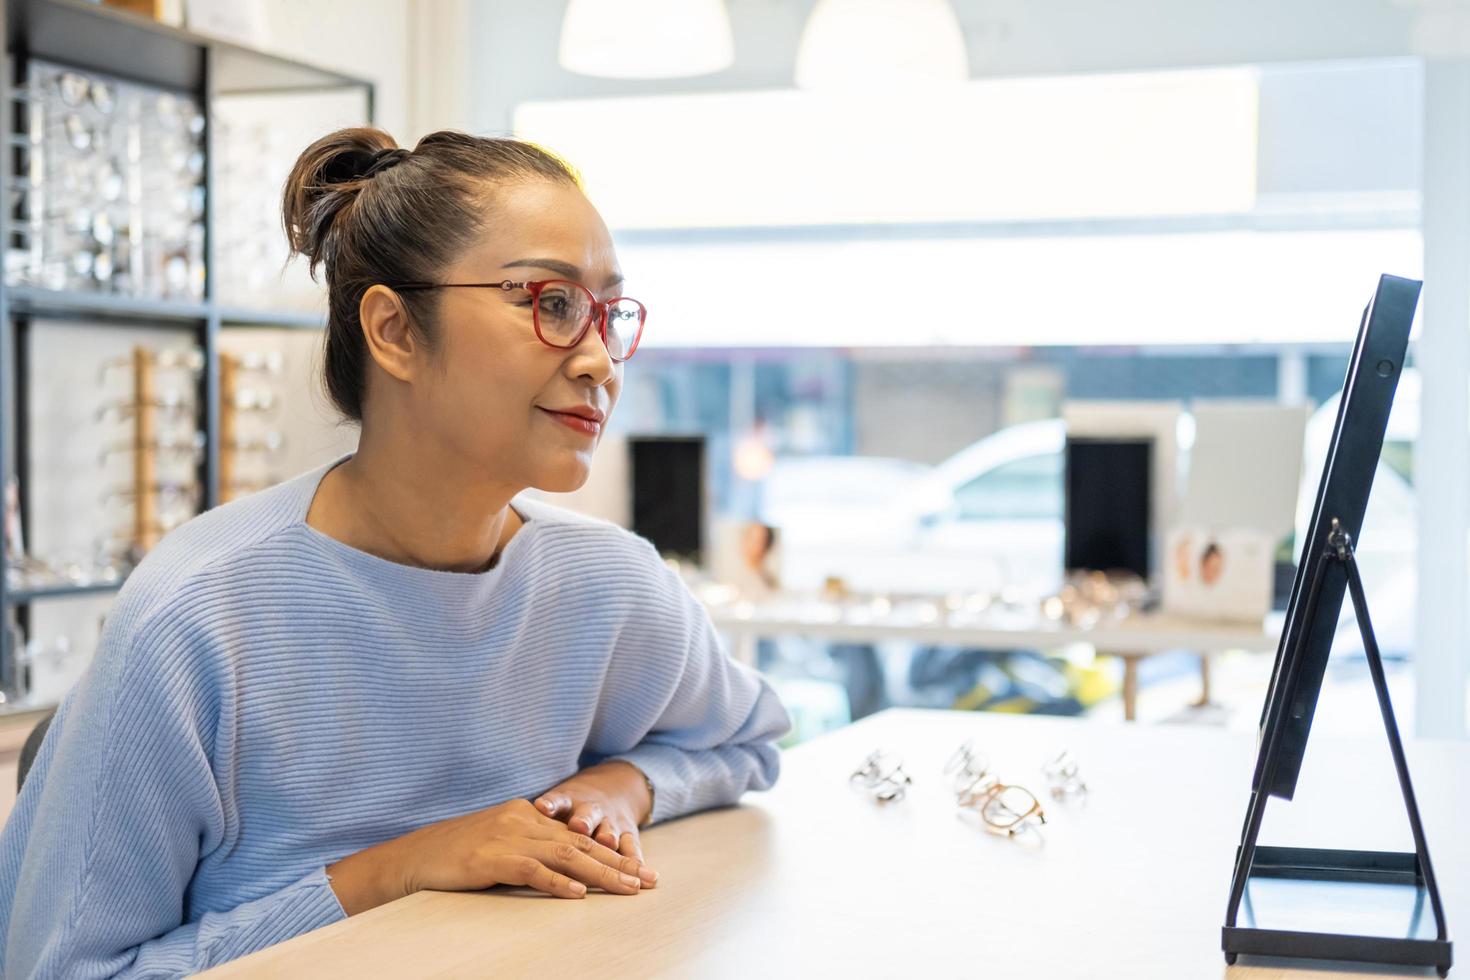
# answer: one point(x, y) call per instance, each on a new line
point(1292, 901)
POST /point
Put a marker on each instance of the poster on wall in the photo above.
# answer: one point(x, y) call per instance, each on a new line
point(1218, 574)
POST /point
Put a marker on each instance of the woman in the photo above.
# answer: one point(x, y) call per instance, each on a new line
point(387, 675)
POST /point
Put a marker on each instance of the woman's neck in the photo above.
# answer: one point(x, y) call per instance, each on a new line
point(413, 512)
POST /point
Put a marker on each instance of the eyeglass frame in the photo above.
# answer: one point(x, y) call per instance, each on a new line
point(994, 793)
point(886, 787)
point(970, 768)
point(598, 311)
point(976, 786)
point(1064, 777)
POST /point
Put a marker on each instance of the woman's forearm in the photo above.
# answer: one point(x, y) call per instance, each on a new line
point(370, 878)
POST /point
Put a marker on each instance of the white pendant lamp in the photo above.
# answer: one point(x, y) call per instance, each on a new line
point(851, 44)
point(646, 38)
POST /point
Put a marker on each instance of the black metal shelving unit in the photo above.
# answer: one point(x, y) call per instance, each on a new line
point(91, 37)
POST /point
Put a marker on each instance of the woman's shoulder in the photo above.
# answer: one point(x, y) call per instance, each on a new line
point(578, 537)
point(158, 642)
point(209, 545)
point(577, 557)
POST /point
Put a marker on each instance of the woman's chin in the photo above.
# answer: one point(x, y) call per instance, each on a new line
point(570, 475)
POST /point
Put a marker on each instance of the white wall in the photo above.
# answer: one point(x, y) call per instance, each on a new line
point(366, 38)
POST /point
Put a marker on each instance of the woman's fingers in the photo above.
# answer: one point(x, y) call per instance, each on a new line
point(576, 863)
point(607, 835)
point(522, 869)
point(612, 857)
point(585, 818)
point(626, 843)
point(626, 856)
point(553, 804)
point(629, 846)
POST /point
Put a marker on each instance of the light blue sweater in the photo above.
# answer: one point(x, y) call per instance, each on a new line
point(267, 700)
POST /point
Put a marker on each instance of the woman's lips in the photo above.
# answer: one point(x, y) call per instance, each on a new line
point(575, 422)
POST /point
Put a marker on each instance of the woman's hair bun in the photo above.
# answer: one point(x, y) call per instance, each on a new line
point(327, 177)
point(356, 164)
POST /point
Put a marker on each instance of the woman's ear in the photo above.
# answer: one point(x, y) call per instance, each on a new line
point(385, 330)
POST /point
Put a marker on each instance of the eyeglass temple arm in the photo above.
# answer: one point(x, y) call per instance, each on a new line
point(505, 284)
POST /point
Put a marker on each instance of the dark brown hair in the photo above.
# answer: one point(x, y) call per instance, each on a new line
point(369, 211)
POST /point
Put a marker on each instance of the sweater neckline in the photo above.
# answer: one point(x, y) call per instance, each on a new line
point(433, 579)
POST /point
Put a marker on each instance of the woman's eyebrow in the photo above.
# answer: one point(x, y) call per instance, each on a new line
point(564, 269)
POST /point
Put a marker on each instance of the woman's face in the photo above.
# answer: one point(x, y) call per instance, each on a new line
point(1211, 565)
point(755, 541)
point(502, 399)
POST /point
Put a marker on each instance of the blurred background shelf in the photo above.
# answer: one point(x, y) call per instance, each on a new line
point(64, 304)
point(21, 597)
point(92, 36)
point(291, 320)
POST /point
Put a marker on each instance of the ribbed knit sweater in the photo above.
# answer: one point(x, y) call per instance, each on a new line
point(267, 700)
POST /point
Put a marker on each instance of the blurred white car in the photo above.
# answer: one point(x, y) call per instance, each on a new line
point(821, 500)
point(988, 516)
point(991, 515)
point(999, 499)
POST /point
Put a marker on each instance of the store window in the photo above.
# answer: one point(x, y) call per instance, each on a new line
point(894, 325)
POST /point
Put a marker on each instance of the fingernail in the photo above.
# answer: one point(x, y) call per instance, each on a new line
point(578, 888)
point(648, 874)
point(630, 881)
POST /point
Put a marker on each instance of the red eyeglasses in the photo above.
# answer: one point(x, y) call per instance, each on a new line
point(561, 312)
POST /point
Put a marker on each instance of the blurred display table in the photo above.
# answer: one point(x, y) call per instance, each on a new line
point(814, 879)
point(1132, 638)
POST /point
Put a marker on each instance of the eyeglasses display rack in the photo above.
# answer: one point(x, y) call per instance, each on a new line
point(113, 157)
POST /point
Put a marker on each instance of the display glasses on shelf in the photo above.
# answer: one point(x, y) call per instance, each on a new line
point(44, 662)
point(257, 139)
point(249, 442)
point(153, 448)
point(26, 572)
point(33, 656)
point(110, 189)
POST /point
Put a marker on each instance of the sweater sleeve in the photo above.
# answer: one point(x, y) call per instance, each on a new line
point(704, 725)
point(97, 859)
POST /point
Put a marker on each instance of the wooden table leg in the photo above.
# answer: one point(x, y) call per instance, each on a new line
point(1204, 681)
point(1130, 686)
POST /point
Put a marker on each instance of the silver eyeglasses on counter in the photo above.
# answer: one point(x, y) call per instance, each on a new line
point(1003, 808)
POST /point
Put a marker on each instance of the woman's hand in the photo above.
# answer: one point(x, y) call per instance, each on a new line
point(607, 802)
point(509, 844)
